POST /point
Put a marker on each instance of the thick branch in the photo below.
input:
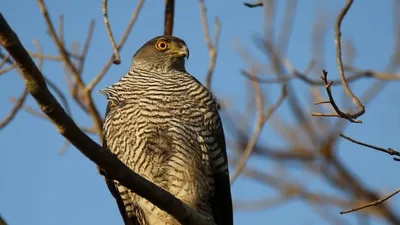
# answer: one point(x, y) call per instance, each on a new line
point(114, 169)
point(169, 17)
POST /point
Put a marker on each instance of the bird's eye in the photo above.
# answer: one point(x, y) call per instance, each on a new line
point(161, 45)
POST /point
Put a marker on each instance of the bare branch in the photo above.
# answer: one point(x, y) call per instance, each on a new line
point(80, 85)
point(14, 110)
point(3, 71)
point(212, 47)
point(64, 147)
point(108, 162)
point(128, 29)
point(358, 74)
point(49, 82)
point(287, 26)
point(389, 151)
point(86, 46)
point(31, 110)
point(356, 101)
point(169, 17)
point(262, 118)
point(371, 73)
point(117, 59)
point(374, 203)
point(253, 5)
point(60, 44)
point(61, 28)
point(60, 94)
point(5, 60)
point(339, 114)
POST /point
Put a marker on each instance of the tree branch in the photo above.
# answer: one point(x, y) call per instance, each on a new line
point(261, 120)
point(212, 47)
point(91, 108)
point(18, 105)
point(331, 100)
point(253, 5)
point(374, 203)
point(356, 101)
point(121, 43)
point(117, 59)
point(169, 17)
point(108, 162)
point(389, 151)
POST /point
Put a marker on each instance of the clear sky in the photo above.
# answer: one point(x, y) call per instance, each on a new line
point(40, 187)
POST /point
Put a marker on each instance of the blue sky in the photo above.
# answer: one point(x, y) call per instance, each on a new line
point(40, 187)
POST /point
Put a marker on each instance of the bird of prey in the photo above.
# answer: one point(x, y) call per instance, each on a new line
point(164, 125)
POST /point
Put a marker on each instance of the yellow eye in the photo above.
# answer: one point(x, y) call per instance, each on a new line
point(161, 45)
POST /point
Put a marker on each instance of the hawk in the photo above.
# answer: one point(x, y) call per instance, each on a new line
point(164, 125)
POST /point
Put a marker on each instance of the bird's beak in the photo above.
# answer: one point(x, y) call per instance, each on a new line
point(182, 51)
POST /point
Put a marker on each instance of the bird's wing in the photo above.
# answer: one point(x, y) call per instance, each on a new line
point(222, 200)
point(112, 186)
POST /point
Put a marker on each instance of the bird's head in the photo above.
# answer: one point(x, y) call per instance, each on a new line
point(162, 53)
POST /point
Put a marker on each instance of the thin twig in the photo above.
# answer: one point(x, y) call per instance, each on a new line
point(90, 106)
point(31, 110)
point(51, 84)
point(59, 43)
point(355, 100)
point(358, 74)
point(269, 27)
point(374, 203)
point(389, 151)
point(61, 29)
point(339, 114)
point(262, 118)
point(371, 73)
point(47, 57)
point(3, 71)
point(212, 47)
point(5, 60)
point(53, 57)
point(107, 66)
point(64, 147)
point(287, 26)
point(60, 94)
point(85, 48)
point(14, 110)
point(117, 59)
point(169, 17)
point(253, 5)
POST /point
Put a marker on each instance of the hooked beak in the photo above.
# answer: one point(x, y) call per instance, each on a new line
point(183, 51)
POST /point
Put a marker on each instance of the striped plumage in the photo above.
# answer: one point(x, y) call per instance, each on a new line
point(164, 125)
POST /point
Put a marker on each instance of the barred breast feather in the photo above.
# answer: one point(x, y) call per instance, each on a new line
point(166, 127)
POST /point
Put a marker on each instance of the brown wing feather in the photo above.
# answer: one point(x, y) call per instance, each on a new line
point(222, 200)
